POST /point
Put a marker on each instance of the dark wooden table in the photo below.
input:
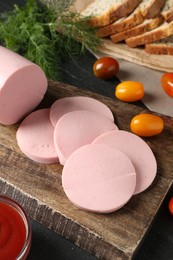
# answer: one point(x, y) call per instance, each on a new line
point(157, 244)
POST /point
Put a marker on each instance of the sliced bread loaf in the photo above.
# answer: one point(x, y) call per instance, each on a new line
point(122, 24)
point(145, 26)
point(105, 12)
point(164, 47)
point(135, 18)
point(161, 32)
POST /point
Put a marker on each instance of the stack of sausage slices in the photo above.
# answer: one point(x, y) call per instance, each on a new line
point(146, 23)
point(103, 167)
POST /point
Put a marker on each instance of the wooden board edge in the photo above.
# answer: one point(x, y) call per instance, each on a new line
point(137, 56)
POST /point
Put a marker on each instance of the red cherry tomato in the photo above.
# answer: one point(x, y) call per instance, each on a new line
point(170, 205)
point(167, 83)
point(147, 125)
point(106, 68)
point(129, 91)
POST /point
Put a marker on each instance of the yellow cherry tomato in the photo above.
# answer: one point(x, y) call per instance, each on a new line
point(147, 125)
point(129, 91)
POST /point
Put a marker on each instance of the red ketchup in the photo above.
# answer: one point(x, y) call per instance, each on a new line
point(15, 231)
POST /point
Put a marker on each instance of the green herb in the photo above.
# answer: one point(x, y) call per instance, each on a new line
point(47, 34)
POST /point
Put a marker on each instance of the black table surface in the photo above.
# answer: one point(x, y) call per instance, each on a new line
point(46, 244)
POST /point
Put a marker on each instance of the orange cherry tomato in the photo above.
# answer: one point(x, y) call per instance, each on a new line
point(170, 205)
point(147, 125)
point(106, 68)
point(129, 91)
point(167, 83)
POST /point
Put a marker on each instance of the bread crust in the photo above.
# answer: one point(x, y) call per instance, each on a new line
point(159, 49)
point(114, 13)
point(126, 8)
point(140, 29)
point(168, 16)
point(121, 25)
point(161, 32)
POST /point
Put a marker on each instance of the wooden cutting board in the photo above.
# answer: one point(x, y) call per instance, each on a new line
point(137, 56)
point(37, 187)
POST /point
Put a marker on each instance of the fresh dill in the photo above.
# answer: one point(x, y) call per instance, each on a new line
point(47, 34)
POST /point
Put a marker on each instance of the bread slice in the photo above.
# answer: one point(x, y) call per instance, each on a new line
point(153, 8)
point(146, 26)
point(161, 32)
point(167, 11)
point(134, 19)
point(105, 12)
point(79, 6)
point(122, 24)
point(162, 47)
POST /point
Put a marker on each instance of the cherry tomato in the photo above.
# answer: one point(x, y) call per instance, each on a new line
point(167, 83)
point(147, 125)
point(106, 68)
point(170, 205)
point(129, 91)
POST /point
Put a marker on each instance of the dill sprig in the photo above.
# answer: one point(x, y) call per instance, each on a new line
point(47, 34)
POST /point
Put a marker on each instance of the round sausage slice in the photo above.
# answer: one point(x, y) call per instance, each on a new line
point(99, 178)
point(35, 137)
point(22, 86)
point(139, 153)
point(68, 104)
point(78, 128)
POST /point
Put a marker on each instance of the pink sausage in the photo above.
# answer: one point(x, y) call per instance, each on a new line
point(79, 128)
point(22, 86)
point(68, 104)
point(35, 137)
point(139, 153)
point(99, 178)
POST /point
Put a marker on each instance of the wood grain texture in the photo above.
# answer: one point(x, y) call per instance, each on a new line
point(38, 187)
point(137, 56)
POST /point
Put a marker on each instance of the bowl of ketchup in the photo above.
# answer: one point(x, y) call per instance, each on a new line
point(15, 230)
